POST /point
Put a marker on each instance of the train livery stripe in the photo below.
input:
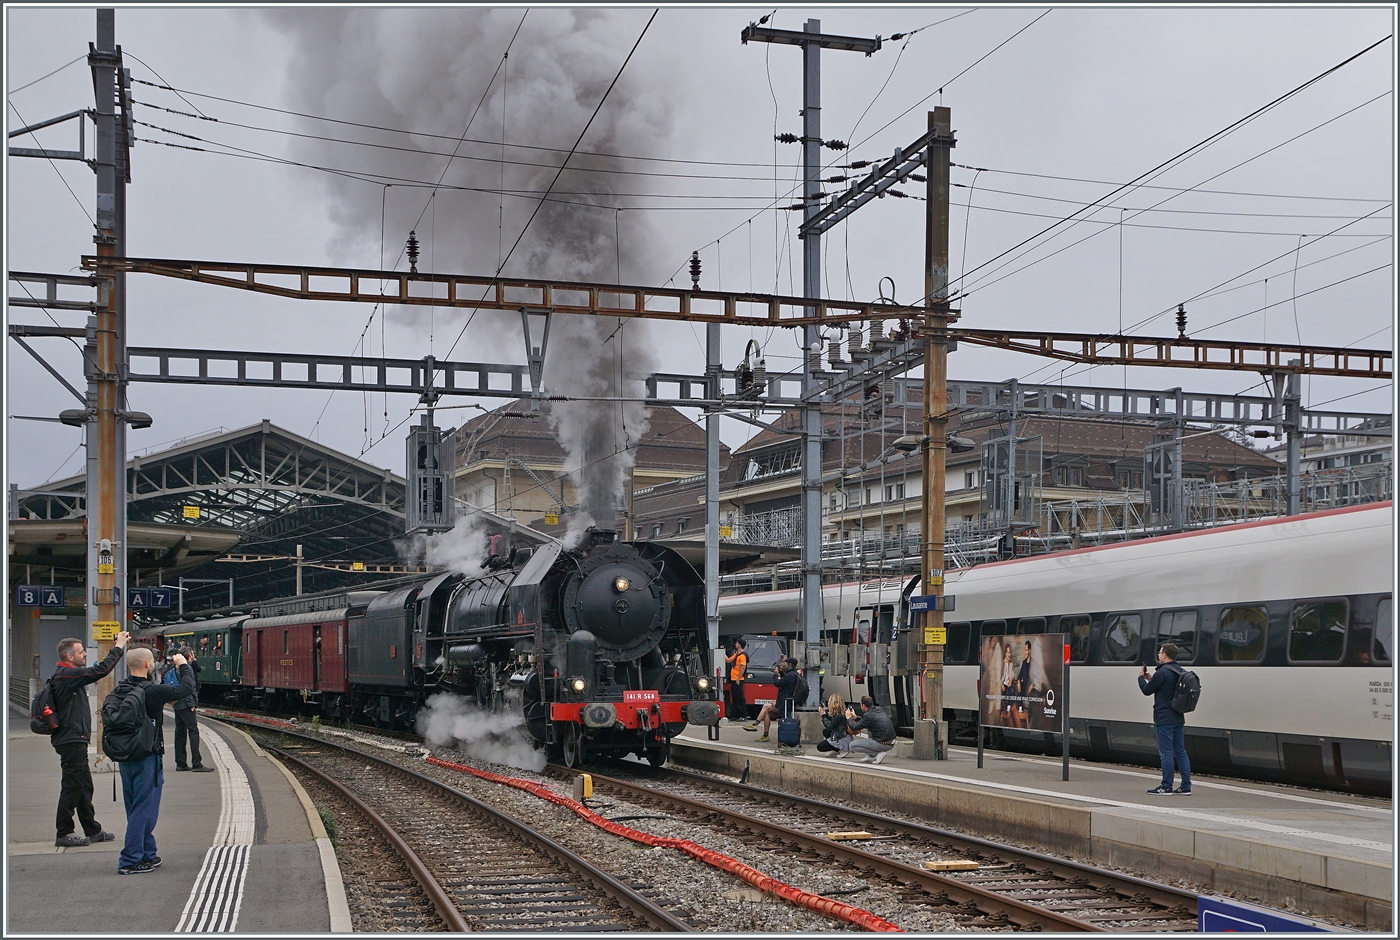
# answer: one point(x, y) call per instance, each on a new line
point(218, 890)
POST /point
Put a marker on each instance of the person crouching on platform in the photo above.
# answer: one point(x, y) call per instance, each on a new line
point(143, 779)
point(71, 677)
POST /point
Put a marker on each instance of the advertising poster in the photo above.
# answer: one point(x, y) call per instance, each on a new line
point(1022, 681)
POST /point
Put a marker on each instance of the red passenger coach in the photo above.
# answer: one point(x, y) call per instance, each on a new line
point(303, 653)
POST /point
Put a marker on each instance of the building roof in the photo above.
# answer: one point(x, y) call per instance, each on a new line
point(672, 441)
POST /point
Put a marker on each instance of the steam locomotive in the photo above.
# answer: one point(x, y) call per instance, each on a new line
point(597, 647)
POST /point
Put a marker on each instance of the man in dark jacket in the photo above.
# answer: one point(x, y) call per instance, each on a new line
point(786, 684)
point(185, 723)
point(1170, 723)
point(71, 677)
point(874, 721)
point(143, 779)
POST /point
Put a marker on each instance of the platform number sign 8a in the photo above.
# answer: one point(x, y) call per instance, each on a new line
point(40, 595)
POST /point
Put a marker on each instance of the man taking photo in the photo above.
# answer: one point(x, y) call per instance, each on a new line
point(70, 680)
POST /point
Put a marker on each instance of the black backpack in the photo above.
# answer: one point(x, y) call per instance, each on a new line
point(43, 713)
point(1188, 692)
point(128, 733)
point(800, 691)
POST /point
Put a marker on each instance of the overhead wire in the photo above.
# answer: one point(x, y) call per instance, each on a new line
point(36, 81)
point(54, 165)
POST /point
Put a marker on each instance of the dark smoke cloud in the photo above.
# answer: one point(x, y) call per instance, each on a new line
point(426, 70)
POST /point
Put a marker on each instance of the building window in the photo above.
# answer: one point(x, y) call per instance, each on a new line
point(868, 495)
point(681, 524)
point(894, 491)
point(969, 479)
point(833, 502)
point(656, 531)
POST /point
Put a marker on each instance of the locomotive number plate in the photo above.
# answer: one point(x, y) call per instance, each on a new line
point(641, 695)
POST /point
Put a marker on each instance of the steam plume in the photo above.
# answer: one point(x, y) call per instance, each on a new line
point(498, 737)
point(426, 70)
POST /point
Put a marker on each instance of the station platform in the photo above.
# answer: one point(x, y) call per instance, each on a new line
point(243, 849)
point(1329, 855)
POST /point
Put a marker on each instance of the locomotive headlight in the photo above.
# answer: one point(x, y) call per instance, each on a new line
point(702, 684)
point(578, 685)
point(621, 584)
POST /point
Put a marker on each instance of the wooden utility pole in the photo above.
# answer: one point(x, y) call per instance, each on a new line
point(930, 734)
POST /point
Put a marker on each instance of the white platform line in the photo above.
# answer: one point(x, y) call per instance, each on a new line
point(217, 894)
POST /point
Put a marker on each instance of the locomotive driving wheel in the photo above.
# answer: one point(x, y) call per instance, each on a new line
point(571, 747)
point(659, 754)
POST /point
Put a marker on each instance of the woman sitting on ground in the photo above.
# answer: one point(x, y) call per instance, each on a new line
point(835, 731)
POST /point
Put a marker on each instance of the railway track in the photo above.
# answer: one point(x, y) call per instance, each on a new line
point(1007, 886)
point(480, 868)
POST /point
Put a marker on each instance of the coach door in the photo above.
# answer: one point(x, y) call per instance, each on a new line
point(316, 656)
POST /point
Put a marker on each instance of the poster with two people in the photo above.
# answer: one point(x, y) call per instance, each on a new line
point(1022, 681)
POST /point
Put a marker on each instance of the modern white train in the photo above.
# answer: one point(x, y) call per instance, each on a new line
point(1288, 622)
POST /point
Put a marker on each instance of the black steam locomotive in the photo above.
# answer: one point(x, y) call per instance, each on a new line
point(599, 648)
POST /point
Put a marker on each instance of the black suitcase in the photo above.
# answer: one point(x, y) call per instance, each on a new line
point(789, 732)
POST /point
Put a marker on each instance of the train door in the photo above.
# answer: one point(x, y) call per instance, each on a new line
point(316, 657)
point(251, 661)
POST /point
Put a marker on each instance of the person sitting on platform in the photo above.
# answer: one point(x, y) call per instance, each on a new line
point(875, 722)
point(836, 733)
point(782, 705)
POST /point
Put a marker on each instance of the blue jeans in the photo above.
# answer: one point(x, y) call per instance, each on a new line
point(1171, 745)
point(142, 782)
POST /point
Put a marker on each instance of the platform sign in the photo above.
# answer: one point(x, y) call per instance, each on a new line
point(144, 598)
point(105, 629)
point(1217, 916)
point(935, 636)
point(190, 512)
point(1022, 681)
point(357, 566)
point(551, 518)
point(924, 602)
point(40, 595)
point(726, 532)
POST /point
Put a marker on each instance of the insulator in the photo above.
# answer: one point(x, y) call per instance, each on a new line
point(760, 377)
point(860, 164)
point(887, 389)
point(855, 339)
point(834, 144)
point(695, 269)
point(1181, 320)
point(836, 179)
point(917, 178)
point(833, 353)
point(877, 331)
point(412, 253)
point(814, 357)
point(786, 138)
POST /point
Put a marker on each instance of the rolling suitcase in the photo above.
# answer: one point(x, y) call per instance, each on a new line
point(789, 729)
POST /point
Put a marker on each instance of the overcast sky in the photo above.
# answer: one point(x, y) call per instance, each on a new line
point(1080, 101)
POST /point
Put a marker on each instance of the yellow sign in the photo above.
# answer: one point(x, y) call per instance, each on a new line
point(935, 636)
point(935, 579)
point(105, 629)
point(357, 566)
point(107, 568)
point(191, 512)
point(726, 532)
point(551, 518)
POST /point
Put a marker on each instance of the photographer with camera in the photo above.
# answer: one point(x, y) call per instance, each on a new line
point(185, 725)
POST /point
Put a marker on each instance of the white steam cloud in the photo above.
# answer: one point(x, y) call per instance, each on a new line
point(497, 737)
point(426, 70)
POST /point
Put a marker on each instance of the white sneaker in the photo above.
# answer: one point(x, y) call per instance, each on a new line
point(879, 757)
point(868, 760)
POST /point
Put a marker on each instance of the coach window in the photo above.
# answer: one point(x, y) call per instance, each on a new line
point(1122, 638)
point(1317, 632)
point(1179, 627)
point(1385, 630)
point(1076, 630)
point(958, 636)
point(1029, 625)
point(286, 641)
point(1241, 636)
point(993, 627)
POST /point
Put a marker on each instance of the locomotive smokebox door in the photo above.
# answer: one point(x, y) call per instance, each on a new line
point(614, 597)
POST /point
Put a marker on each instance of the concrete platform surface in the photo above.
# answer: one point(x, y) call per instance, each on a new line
point(1287, 847)
point(243, 849)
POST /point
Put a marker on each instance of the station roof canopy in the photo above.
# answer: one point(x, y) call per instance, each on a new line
point(259, 490)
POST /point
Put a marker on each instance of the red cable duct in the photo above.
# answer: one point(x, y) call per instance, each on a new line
point(840, 910)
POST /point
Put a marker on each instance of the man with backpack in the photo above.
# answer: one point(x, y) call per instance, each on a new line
point(133, 736)
point(1170, 721)
point(789, 683)
point(184, 719)
point(70, 724)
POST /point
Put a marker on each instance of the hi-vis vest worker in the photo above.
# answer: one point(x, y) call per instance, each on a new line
point(741, 665)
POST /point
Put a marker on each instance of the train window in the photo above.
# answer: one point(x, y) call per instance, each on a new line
point(959, 634)
point(1122, 638)
point(204, 644)
point(286, 641)
point(1179, 627)
point(1076, 629)
point(993, 627)
point(1385, 630)
point(1317, 632)
point(219, 645)
point(1028, 625)
point(1241, 636)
